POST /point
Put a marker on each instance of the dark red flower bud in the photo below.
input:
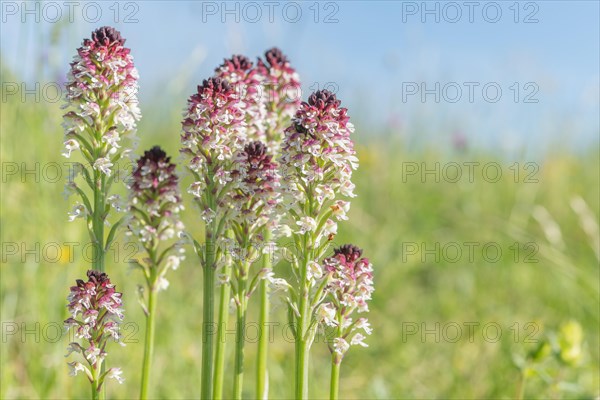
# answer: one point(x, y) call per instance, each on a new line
point(213, 86)
point(350, 252)
point(96, 277)
point(107, 36)
point(237, 63)
point(323, 99)
point(275, 57)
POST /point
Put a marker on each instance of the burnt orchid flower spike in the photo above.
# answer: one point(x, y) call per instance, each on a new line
point(102, 82)
point(96, 312)
point(241, 74)
point(317, 153)
point(154, 207)
point(213, 128)
point(100, 124)
point(281, 95)
point(215, 121)
point(280, 99)
point(253, 201)
point(348, 290)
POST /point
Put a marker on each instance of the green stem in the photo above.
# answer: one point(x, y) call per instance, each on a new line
point(302, 337)
point(335, 376)
point(238, 380)
point(149, 345)
point(98, 223)
point(208, 331)
point(95, 394)
point(521, 386)
point(302, 370)
point(262, 387)
point(94, 382)
point(221, 333)
point(98, 245)
point(336, 362)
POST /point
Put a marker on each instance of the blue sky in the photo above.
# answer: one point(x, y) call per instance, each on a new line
point(371, 51)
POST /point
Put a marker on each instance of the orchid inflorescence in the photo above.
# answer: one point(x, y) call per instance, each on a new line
point(214, 125)
point(102, 95)
point(102, 90)
point(263, 165)
point(253, 201)
point(154, 206)
point(96, 313)
point(281, 95)
point(319, 158)
point(101, 124)
point(349, 288)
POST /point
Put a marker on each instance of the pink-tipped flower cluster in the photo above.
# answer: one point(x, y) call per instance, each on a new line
point(349, 288)
point(96, 313)
point(254, 195)
point(102, 95)
point(269, 93)
point(318, 158)
point(241, 75)
point(155, 203)
point(281, 94)
point(213, 128)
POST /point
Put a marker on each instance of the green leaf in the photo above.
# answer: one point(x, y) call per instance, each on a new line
point(112, 233)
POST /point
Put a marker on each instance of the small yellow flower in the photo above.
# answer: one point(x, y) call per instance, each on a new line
point(570, 340)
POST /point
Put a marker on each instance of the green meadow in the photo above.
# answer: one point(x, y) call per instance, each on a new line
point(471, 275)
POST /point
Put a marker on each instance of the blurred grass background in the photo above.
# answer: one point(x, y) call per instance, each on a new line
point(389, 214)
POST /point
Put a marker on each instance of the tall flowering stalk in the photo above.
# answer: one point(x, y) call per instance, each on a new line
point(281, 98)
point(103, 110)
point(270, 96)
point(349, 288)
point(238, 71)
point(317, 160)
point(213, 127)
point(154, 206)
point(96, 313)
point(253, 200)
